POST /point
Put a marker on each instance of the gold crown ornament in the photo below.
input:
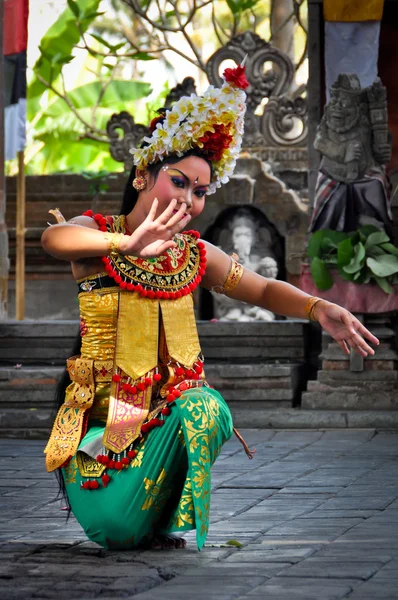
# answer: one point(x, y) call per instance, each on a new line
point(212, 123)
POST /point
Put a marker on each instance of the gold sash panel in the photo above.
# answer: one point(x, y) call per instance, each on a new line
point(68, 426)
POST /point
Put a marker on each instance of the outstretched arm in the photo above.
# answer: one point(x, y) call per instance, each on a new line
point(284, 299)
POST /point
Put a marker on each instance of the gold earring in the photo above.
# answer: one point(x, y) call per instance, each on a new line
point(139, 183)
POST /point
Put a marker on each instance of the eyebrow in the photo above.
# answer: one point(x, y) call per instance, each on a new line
point(187, 178)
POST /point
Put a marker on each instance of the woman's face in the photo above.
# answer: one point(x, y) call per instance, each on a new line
point(186, 181)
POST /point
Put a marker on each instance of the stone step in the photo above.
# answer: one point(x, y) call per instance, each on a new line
point(51, 342)
point(340, 378)
point(347, 386)
point(245, 415)
point(383, 352)
point(252, 371)
point(252, 414)
point(27, 397)
point(350, 399)
point(28, 374)
point(24, 419)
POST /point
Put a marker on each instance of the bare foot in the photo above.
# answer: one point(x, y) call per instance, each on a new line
point(163, 541)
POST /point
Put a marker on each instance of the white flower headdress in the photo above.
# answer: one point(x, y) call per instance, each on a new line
point(212, 123)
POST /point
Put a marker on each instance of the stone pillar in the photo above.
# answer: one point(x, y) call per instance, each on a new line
point(4, 261)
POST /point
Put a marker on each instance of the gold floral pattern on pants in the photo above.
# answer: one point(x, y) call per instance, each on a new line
point(157, 493)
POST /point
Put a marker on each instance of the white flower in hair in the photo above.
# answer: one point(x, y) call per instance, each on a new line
point(212, 123)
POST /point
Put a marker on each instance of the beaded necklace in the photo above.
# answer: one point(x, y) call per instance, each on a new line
point(181, 281)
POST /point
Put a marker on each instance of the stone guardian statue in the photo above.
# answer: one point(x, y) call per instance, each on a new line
point(353, 138)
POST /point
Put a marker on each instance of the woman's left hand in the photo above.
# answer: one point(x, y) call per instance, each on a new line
point(344, 328)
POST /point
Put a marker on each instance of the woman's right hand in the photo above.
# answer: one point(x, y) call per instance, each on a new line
point(154, 236)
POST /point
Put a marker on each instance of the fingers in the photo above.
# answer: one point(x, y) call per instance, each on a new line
point(181, 224)
point(357, 343)
point(176, 219)
point(343, 345)
point(164, 247)
point(367, 334)
point(356, 327)
point(153, 209)
point(164, 217)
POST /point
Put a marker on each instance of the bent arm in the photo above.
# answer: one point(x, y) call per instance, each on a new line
point(277, 296)
point(75, 240)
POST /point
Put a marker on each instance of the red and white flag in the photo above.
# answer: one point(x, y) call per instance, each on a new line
point(16, 14)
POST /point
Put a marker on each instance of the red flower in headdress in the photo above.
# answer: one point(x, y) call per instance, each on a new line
point(154, 122)
point(236, 77)
point(214, 143)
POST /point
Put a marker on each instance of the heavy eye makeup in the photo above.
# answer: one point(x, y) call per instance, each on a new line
point(179, 181)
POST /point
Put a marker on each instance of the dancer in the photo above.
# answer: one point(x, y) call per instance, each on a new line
point(138, 427)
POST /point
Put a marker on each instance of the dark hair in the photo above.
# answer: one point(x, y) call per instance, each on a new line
point(59, 399)
point(130, 195)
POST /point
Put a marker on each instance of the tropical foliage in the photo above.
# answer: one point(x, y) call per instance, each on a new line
point(364, 256)
point(67, 123)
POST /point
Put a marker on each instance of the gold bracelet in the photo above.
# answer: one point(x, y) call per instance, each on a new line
point(232, 280)
point(113, 240)
point(234, 276)
point(310, 307)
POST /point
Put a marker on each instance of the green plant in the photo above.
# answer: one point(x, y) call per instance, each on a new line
point(362, 256)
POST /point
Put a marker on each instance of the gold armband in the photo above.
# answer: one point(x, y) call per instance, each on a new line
point(234, 277)
point(310, 307)
point(113, 240)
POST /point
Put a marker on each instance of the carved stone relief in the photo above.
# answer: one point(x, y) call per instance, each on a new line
point(284, 119)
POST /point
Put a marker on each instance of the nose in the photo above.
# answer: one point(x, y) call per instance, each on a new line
point(187, 199)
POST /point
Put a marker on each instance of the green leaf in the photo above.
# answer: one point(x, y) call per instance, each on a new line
point(363, 276)
point(385, 286)
point(74, 7)
point(331, 259)
point(142, 56)
point(101, 40)
point(345, 252)
point(118, 46)
point(93, 15)
point(383, 266)
point(234, 543)
point(328, 245)
point(63, 60)
point(317, 242)
point(61, 38)
point(376, 238)
point(374, 251)
point(366, 230)
point(390, 248)
point(117, 96)
point(356, 263)
point(322, 278)
point(239, 6)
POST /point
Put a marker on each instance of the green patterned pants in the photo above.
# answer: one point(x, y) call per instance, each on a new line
point(166, 488)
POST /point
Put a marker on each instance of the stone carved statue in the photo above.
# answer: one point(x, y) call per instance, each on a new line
point(254, 249)
point(353, 138)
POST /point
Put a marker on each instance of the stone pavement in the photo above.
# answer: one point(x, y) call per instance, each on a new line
point(315, 516)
